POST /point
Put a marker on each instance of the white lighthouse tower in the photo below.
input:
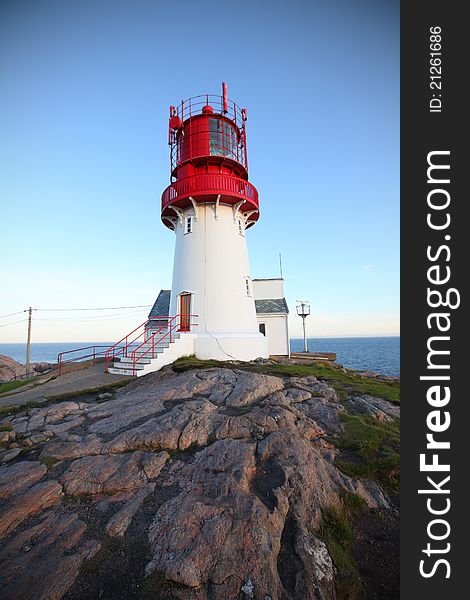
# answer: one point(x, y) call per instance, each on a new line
point(210, 205)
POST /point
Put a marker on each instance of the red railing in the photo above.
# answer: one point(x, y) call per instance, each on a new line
point(210, 184)
point(193, 106)
point(171, 326)
point(122, 346)
point(93, 354)
point(130, 341)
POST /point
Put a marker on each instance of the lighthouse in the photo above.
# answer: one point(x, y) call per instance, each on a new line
point(210, 205)
point(214, 308)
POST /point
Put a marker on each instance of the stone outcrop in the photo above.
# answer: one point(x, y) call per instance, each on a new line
point(43, 561)
point(222, 472)
point(111, 474)
point(24, 505)
point(10, 368)
point(375, 407)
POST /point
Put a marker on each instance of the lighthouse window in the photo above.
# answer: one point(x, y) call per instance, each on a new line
point(223, 139)
point(240, 227)
point(247, 286)
point(189, 224)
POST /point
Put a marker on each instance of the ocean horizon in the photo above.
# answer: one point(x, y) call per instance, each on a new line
point(380, 354)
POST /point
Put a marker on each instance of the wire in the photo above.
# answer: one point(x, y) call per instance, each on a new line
point(12, 314)
point(97, 317)
point(14, 322)
point(69, 331)
point(100, 308)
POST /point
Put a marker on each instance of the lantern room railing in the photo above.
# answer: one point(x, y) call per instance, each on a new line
point(233, 149)
point(193, 106)
point(211, 184)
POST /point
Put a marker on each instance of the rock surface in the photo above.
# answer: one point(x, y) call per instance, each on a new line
point(10, 368)
point(218, 476)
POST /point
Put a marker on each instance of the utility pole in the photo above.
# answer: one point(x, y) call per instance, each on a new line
point(303, 310)
point(28, 343)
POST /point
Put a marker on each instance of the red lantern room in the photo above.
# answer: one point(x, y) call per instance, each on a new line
point(207, 139)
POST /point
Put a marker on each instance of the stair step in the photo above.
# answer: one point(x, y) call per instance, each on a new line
point(128, 360)
point(129, 365)
point(124, 365)
point(115, 371)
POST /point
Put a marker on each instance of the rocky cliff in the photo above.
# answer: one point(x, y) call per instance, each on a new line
point(11, 369)
point(262, 481)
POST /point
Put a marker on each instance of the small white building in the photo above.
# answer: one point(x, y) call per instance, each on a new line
point(272, 314)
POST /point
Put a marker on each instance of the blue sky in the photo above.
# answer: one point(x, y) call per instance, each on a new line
point(84, 95)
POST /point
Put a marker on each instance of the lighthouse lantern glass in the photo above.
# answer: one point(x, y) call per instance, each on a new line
point(223, 139)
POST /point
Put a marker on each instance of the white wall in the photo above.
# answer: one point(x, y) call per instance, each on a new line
point(212, 264)
point(268, 288)
point(276, 333)
point(184, 346)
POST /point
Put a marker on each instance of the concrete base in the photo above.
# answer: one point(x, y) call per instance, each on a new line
point(231, 346)
point(218, 346)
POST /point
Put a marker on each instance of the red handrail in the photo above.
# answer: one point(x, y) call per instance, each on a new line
point(111, 353)
point(92, 355)
point(125, 339)
point(153, 336)
point(170, 329)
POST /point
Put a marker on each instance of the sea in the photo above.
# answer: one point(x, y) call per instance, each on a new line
point(379, 354)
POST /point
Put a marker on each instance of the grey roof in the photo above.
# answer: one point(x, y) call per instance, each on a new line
point(271, 305)
point(266, 306)
point(162, 305)
point(268, 279)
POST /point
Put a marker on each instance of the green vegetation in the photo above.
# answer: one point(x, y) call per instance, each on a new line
point(352, 502)
point(186, 363)
point(13, 409)
point(48, 461)
point(155, 584)
point(370, 449)
point(6, 427)
point(344, 381)
point(336, 532)
point(93, 390)
point(13, 385)
point(9, 410)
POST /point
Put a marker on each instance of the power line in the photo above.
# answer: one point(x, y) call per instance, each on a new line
point(12, 314)
point(14, 322)
point(95, 319)
point(100, 308)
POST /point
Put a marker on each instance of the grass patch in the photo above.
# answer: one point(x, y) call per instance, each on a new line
point(48, 461)
point(352, 502)
point(370, 449)
point(9, 410)
point(93, 390)
point(9, 386)
point(155, 584)
point(6, 427)
point(186, 363)
point(336, 532)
